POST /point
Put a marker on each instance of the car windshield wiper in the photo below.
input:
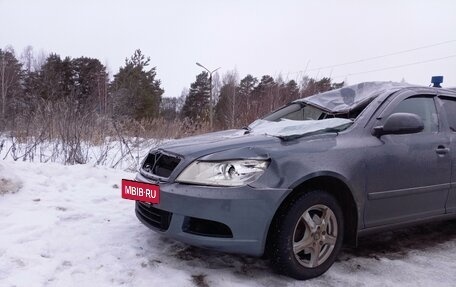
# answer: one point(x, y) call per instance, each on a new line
point(322, 131)
point(247, 130)
point(293, 137)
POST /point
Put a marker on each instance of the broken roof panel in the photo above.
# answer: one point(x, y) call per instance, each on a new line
point(348, 98)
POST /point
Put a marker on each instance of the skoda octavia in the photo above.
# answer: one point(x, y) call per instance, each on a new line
point(318, 172)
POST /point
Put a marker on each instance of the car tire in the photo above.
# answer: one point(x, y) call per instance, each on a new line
point(307, 235)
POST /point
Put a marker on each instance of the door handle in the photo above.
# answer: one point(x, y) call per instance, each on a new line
point(442, 150)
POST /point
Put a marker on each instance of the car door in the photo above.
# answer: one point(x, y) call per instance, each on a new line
point(448, 108)
point(408, 175)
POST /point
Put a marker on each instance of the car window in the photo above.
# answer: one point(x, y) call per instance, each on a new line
point(424, 107)
point(297, 112)
point(449, 106)
point(306, 113)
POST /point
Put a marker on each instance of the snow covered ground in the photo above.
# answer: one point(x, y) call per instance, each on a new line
point(67, 226)
point(125, 153)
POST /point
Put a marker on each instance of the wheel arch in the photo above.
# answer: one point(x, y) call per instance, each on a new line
point(337, 186)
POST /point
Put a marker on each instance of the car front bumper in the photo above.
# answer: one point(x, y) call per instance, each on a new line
point(246, 211)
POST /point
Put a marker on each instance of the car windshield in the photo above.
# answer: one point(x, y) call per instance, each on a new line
point(296, 111)
point(299, 119)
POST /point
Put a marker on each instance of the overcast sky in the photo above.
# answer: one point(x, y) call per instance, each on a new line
point(256, 37)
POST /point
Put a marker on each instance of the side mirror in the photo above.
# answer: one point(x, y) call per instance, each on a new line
point(400, 123)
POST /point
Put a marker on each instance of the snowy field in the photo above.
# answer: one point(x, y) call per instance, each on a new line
point(67, 226)
point(121, 153)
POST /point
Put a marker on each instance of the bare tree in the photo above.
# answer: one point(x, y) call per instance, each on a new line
point(227, 109)
point(27, 58)
point(181, 100)
point(39, 60)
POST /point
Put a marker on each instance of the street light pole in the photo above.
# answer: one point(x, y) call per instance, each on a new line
point(211, 103)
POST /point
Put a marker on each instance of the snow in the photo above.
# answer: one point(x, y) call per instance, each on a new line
point(68, 226)
point(289, 128)
point(125, 153)
point(350, 97)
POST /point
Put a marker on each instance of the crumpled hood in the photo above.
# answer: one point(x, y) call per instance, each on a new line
point(260, 134)
point(217, 141)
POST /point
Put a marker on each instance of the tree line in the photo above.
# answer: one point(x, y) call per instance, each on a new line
point(47, 94)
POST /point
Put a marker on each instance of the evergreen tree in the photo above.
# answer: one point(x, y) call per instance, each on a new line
point(135, 91)
point(10, 83)
point(288, 92)
point(28, 104)
point(313, 86)
point(56, 78)
point(90, 81)
point(196, 107)
point(245, 98)
point(264, 96)
point(247, 85)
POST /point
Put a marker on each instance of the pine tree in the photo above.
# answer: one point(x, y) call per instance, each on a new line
point(289, 92)
point(264, 96)
point(245, 99)
point(90, 81)
point(56, 78)
point(196, 107)
point(135, 91)
point(10, 83)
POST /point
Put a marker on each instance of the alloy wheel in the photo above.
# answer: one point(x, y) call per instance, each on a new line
point(315, 236)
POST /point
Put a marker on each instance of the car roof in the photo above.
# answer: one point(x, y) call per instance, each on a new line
point(350, 97)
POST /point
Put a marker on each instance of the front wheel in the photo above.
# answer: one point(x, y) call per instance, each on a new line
point(308, 236)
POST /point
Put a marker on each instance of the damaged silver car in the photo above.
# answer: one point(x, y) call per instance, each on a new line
point(320, 171)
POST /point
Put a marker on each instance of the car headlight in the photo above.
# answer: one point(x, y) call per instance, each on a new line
point(224, 173)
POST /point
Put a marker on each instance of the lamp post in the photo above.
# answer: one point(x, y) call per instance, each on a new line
point(211, 103)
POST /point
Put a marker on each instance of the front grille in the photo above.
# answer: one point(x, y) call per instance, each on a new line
point(153, 216)
point(160, 164)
